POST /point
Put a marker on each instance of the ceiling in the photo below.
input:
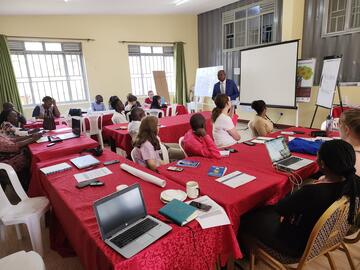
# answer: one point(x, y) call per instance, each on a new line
point(53, 7)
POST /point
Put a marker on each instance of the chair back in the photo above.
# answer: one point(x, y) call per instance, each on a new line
point(252, 129)
point(155, 112)
point(119, 118)
point(14, 180)
point(329, 231)
point(171, 110)
point(132, 154)
point(181, 145)
point(165, 153)
point(95, 123)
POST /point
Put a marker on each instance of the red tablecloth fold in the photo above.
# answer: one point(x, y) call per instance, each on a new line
point(187, 247)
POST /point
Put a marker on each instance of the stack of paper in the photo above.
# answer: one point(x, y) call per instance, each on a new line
point(96, 173)
point(261, 139)
point(236, 179)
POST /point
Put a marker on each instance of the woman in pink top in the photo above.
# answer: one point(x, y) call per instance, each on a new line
point(196, 142)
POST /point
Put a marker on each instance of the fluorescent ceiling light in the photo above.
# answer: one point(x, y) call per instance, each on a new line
point(180, 2)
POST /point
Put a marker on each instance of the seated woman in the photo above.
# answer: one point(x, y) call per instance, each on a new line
point(131, 102)
point(224, 131)
point(196, 142)
point(260, 125)
point(111, 100)
point(147, 144)
point(7, 107)
point(47, 108)
point(11, 125)
point(136, 115)
point(349, 125)
point(286, 226)
point(119, 114)
point(149, 99)
point(156, 103)
point(13, 151)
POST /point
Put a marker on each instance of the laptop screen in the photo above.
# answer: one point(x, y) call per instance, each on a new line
point(277, 149)
point(119, 210)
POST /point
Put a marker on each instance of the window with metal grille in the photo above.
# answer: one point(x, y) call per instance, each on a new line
point(248, 26)
point(343, 17)
point(143, 60)
point(53, 69)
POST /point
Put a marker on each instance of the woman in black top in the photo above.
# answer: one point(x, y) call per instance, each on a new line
point(156, 103)
point(286, 226)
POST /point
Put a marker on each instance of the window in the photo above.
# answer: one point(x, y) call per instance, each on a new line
point(48, 69)
point(248, 26)
point(143, 60)
point(343, 17)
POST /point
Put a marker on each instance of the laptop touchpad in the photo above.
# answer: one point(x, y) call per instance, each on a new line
point(144, 239)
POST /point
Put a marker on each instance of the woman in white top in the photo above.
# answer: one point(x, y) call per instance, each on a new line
point(119, 114)
point(349, 125)
point(224, 131)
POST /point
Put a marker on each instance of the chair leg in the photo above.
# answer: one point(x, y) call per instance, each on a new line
point(331, 261)
point(348, 255)
point(18, 231)
point(34, 229)
point(100, 139)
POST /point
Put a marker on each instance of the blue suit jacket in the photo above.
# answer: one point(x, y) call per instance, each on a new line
point(231, 89)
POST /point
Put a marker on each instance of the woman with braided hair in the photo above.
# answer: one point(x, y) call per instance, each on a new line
point(286, 226)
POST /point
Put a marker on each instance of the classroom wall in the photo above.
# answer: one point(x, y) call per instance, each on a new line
point(106, 60)
point(292, 28)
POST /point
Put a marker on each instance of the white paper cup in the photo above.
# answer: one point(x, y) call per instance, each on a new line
point(192, 189)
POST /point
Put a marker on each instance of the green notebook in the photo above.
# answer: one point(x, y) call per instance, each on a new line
point(179, 212)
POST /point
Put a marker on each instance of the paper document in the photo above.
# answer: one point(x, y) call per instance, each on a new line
point(215, 217)
point(96, 173)
point(236, 179)
point(43, 139)
point(261, 139)
point(224, 153)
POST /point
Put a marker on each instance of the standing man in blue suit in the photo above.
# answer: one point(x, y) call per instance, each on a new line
point(225, 86)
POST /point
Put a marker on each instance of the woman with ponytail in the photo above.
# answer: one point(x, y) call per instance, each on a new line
point(286, 226)
point(224, 131)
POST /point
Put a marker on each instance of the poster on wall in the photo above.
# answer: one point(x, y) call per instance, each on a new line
point(305, 79)
point(161, 85)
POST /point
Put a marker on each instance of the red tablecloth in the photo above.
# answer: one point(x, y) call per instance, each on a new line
point(38, 123)
point(172, 129)
point(267, 188)
point(183, 248)
point(40, 152)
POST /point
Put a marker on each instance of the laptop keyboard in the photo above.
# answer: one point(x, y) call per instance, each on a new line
point(134, 232)
point(289, 161)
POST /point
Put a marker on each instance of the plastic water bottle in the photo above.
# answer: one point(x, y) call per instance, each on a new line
point(329, 125)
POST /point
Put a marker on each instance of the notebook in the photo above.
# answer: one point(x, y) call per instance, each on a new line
point(55, 168)
point(188, 163)
point(236, 179)
point(216, 171)
point(179, 212)
point(85, 161)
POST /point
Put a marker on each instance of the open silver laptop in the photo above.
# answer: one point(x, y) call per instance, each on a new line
point(124, 224)
point(281, 156)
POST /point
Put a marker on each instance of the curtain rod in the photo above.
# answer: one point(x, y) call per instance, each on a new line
point(57, 38)
point(148, 42)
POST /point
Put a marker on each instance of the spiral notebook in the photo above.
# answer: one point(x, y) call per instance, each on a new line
point(55, 168)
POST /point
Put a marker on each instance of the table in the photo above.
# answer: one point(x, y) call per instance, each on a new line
point(187, 247)
point(39, 123)
point(40, 152)
point(172, 129)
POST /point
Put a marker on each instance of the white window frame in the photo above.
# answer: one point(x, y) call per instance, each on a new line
point(246, 19)
point(347, 29)
point(64, 53)
point(171, 91)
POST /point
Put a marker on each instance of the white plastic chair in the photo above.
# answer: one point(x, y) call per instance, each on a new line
point(191, 107)
point(165, 153)
point(94, 127)
point(181, 139)
point(171, 110)
point(155, 112)
point(252, 129)
point(132, 154)
point(335, 124)
point(119, 118)
point(22, 260)
point(28, 210)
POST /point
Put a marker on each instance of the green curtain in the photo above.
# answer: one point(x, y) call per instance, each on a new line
point(181, 93)
point(8, 87)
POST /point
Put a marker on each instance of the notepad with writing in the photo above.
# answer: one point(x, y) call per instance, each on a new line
point(179, 212)
point(55, 168)
point(236, 179)
point(216, 171)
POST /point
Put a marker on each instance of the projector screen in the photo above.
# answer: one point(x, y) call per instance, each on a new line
point(269, 73)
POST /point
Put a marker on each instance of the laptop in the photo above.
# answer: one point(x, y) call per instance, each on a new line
point(280, 155)
point(124, 223)
point(75, 133)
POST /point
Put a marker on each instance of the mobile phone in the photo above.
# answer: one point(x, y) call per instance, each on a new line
point(249, 143)
point(231, 150)
point(201, 206)
point(51, 144)
point(175, 169)
point(86, 183)
point(96, 184)
point(106, 163)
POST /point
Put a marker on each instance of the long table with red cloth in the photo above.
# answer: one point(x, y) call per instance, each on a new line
point(187, 247)
point(40, 152)
point(172, 128)
point(39, 123)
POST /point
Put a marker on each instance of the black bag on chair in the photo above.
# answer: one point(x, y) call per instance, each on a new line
point(75, 112)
